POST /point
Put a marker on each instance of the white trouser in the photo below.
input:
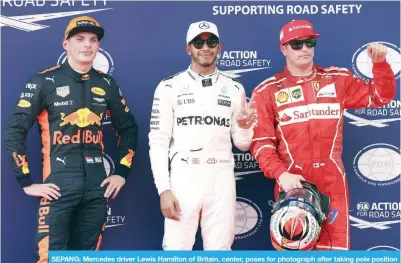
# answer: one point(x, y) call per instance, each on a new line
point(204, 186)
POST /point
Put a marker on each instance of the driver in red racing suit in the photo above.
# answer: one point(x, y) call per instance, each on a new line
point(298, 130)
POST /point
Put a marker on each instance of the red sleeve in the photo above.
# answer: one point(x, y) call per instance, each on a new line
point(374, 93)
point(264, 142)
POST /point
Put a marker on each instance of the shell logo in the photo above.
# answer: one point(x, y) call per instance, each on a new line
point(282, 97)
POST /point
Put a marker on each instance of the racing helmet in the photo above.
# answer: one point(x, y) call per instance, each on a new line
point(297, 218)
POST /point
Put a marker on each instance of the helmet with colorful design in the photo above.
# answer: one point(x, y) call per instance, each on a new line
point(297, 218)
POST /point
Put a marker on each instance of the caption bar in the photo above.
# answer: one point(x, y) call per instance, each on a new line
point(226, 256)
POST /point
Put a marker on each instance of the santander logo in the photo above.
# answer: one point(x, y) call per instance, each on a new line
point(285, 118)
point(308, 112)
point(299, 27)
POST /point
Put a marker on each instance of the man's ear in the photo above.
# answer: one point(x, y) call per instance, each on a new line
point(65, 44)
point(188, 49)
point(283, 49)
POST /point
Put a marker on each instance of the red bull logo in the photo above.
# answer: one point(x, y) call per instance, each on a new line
point(80, 137)
point(127, 160)
point(21, 161)
point(44, 210)
point(82, 118)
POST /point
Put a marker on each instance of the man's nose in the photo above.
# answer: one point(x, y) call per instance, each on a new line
point(88, 43)
point(205, 46)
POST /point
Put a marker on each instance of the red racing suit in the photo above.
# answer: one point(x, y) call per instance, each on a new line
point(299, 129)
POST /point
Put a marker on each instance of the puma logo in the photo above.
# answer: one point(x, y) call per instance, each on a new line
point(61, 160)
point(299, 167)
point(107, 80)
point(52, 79)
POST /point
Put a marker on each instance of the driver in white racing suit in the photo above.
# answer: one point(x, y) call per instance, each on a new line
point(195, 115)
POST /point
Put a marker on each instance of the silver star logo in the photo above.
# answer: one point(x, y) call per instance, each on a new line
point(204, 25)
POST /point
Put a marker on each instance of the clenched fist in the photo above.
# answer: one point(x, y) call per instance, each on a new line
point(377, 52)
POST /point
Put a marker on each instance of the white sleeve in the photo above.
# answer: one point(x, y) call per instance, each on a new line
point(242, 138)
point(161, 126)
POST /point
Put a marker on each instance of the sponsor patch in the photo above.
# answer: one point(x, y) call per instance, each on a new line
point(98, 91)
point(127, 159)
point(316, 85)
point(289, 95)
point(63, 103)
point(296, 93)
point(225, 103)
point(26, 95)
point(308, 112)
point(24, 104)
point(185, 101)
point(85, 23)
point(30, 86)
point(63, 91)
point(206, 82)
point(328, 91)
point(282, 97)
point(203, 120)
point(223, 91)
point(99, 99)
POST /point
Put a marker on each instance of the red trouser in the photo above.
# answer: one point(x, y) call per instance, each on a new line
point(335, 233)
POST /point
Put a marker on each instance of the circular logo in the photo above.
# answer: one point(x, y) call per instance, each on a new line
point(381, 248)
point(248, 218)
point(103, 61)
point(204, 25)
point(378, 164)
point(108, 164)
point(362, 65)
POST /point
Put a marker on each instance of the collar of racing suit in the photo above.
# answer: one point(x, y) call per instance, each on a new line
point(301, 79)
point(76, 75)
point(198, 77)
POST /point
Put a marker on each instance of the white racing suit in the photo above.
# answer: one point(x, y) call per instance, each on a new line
point(191, 126)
